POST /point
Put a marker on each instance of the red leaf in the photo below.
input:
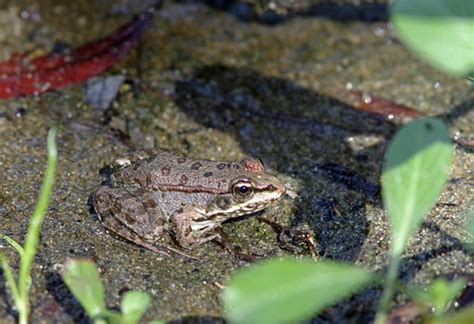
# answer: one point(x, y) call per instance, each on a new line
point(54, 71)
point(381, 106)
point(12, 66)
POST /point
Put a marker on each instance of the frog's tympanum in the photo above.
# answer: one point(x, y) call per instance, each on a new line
point(188, 199)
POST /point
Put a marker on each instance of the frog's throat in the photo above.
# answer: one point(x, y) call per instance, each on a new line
point(211, 219)
point(220, 215)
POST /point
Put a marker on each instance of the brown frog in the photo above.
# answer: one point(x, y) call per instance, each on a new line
point(188, 199)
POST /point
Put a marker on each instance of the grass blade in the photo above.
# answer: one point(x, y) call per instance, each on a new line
point(10, 280)
point(470, 229)
point(18, 248)
point(34, 226)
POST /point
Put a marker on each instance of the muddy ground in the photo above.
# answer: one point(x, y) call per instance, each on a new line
point(206, 84)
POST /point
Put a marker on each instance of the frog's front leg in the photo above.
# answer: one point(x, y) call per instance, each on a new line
point(188, 231)
point(133, 214)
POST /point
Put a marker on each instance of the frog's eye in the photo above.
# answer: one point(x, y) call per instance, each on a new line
point(242, 189)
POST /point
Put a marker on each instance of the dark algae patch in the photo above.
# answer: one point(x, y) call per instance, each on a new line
point(205, 85)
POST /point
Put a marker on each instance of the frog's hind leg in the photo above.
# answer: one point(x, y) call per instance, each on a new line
point(131, 214)
point(116, 227)
point(122, 231)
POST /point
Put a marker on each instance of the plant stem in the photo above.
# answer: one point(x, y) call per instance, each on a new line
point(391, 278)
point(34, 228)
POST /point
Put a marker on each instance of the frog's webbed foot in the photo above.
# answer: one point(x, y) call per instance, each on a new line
point(189, 233)
point(186, 236)
point(224, 242)
point(292, 240)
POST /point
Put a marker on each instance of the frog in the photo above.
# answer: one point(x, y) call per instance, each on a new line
point(151, 196)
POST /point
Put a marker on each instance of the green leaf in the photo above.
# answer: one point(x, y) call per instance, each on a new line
point(134, 304)
point(82, 278)
point(440, 294)
point(439, 31)
point(416, 168)
point(289, 290)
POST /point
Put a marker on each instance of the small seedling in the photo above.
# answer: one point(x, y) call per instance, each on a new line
point(415, 170)
point(83, 279)
point(437, 298)
point(19, 290)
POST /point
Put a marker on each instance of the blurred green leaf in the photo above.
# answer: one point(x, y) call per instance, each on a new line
point(289, 290)
point(415, 170)
point(82, 278)
point(461, 316)
point(109, 316)
point(439, 31)
point(440, 294)
point(134, 304)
